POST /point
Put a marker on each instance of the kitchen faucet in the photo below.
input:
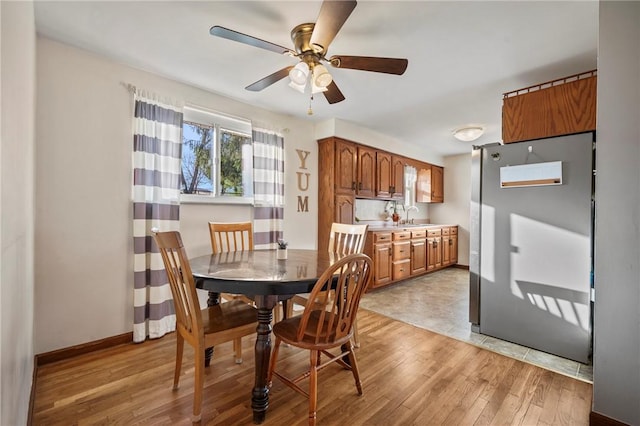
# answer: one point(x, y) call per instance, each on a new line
point(408, 209)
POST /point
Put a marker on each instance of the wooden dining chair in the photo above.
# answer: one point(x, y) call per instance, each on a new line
point(205, 328)
point(230, 237)
point(343, 239)
point(326, 323)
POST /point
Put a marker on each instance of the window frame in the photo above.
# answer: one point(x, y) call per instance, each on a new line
point(219, 122)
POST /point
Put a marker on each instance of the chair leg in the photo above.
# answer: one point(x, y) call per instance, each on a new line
point(179, 349)
point(272, 363)
point(237, 350)
point(354, 368)
point(356, 337)
point(313, 387)
point(198, 386)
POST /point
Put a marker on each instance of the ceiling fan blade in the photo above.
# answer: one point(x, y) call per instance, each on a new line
point(366, 63)
point(269, 80)
point(333, 94)
point(333, 15)
point(247, 39)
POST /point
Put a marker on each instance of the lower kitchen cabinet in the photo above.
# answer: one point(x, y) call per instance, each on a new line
point(404, 253)
point(401, 257)
point(418, 252)
point(381, 256)
point(434, 249)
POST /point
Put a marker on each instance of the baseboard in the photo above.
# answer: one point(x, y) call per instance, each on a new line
point(465, 267)
point(597, 419)
point(72, 351)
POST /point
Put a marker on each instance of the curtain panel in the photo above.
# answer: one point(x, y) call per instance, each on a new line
point(268, 190)
point(157, 144)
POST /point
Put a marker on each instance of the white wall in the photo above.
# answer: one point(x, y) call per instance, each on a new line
point(616, 369)
point(83, 271)
point(17, 76)
point(456, 207)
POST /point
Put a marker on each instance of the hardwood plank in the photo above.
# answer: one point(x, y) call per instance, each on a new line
point(409, 375)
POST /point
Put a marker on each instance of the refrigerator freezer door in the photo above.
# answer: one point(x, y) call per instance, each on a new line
point(535, 246)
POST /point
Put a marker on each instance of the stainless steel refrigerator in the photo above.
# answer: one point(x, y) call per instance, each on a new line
point(531, 239)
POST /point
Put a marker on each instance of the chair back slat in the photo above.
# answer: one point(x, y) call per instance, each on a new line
point(329, 315)
point(347, 239)
point(180, 277)
point(231, 236)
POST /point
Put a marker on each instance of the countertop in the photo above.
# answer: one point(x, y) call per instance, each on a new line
point(405, 227)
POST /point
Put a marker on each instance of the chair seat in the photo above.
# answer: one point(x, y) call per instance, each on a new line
point(225, 318)
point(287, 330)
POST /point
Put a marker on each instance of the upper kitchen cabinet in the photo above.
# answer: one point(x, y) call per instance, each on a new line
point(366, 172)
point(430, 183)
point(559, 107)
point(346, 177)
point(389, 176)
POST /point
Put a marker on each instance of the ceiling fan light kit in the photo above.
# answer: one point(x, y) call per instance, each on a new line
point(311, 42)
point(468, 133)
point(299, 73)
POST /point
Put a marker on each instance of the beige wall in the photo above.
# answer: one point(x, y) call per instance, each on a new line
point(17, 76)
point(457, 196)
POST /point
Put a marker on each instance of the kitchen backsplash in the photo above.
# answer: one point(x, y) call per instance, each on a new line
point(374, 210)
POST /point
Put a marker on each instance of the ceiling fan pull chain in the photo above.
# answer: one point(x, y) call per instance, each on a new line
point(310, 111)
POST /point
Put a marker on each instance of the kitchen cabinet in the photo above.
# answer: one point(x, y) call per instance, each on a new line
point(418, 252)
point(348, 170)
point(381, 257)
point(389, 176)
point(401, 255)
point(449, 246)
point(430, 183)
point(434, 249)
point(560, 107)
point(344, 208)
point(346, 154)
point(366, 171)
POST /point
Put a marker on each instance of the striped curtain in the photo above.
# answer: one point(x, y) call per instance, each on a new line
point(268, 190)
point(157, 144)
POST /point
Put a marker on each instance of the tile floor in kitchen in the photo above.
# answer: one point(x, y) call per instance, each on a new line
point(439, 302)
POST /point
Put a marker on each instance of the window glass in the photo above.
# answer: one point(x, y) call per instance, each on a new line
point(217, 158)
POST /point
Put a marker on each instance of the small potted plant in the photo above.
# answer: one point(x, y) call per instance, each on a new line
point(282, 249)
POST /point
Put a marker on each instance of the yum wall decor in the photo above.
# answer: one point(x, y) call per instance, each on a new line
point(303, 181)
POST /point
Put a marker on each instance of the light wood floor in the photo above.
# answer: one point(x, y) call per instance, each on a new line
point(410, 376)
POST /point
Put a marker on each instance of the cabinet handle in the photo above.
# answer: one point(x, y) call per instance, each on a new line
point(360, 186)
point(353, 185)
point(390, 189)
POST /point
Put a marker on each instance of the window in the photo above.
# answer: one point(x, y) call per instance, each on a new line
point(217, 158)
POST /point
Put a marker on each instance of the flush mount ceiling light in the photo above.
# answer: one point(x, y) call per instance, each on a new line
point(468, 133)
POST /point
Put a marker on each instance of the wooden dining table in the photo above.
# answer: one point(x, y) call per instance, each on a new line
point(260, 275)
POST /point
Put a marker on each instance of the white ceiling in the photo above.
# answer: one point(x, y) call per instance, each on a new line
point(462, 55)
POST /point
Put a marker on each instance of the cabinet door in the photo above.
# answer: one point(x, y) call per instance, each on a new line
point(418, 256)
point(381, 264)
point(423, 184)
point(344, 209)
point(437, 184)
point(366, 172)
point(453, 244)
point(383, 175)
point(397, 177)
point(446, 250)
point(346, 155)
point(434, 253)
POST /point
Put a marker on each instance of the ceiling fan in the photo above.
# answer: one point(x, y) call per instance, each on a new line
point(311, 42)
